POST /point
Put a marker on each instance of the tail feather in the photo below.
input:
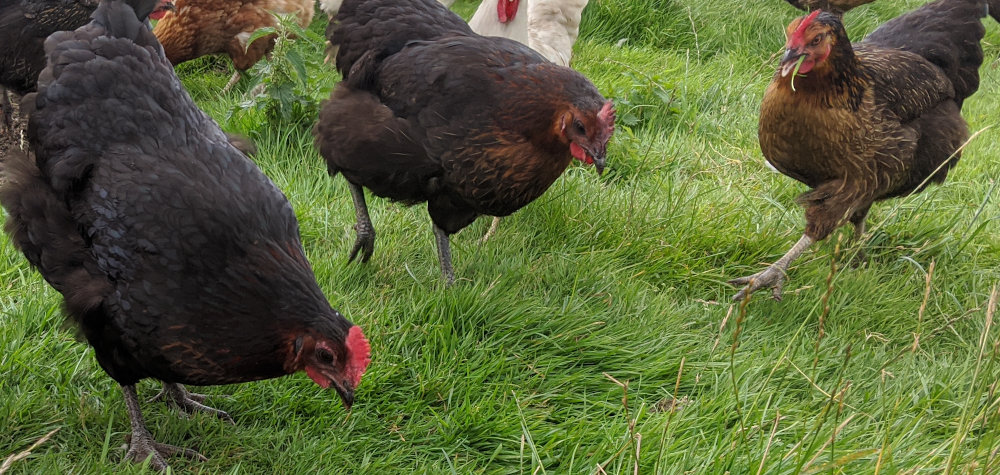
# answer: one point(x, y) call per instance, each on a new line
point(946, 33)
point(42, 227)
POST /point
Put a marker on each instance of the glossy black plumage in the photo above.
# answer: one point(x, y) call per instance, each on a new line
point(430, 111)
point(24, 25)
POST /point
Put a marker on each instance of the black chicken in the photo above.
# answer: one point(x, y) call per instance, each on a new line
point(24, 25)
point(430, 111)
point(178, 259)
point(870, 121)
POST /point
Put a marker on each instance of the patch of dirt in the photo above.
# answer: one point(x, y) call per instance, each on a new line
point(10, 137)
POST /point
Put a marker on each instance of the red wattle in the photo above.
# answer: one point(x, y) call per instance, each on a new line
point(317, 377)
point(158, 14)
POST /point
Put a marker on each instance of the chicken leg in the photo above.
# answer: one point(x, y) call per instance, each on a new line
point(493, 229)
point(141, 445)
point(365, 240)
point(232, 82)
point(178, 396)
point(444, 255)
point(773, 276)
point(6, 113)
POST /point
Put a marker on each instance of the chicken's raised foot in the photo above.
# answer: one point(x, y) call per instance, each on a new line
point(178, 396)
point(365, 240)
point(774, 276)
point(141, 445)
point(444, 255)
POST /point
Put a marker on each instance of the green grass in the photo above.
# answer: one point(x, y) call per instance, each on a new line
point(621, 276)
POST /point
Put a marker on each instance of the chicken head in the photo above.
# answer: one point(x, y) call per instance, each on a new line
point(588, 133)
point(332, 361)
point(810, 40)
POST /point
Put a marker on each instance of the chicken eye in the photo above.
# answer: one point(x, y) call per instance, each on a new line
point(324, 356)
point(816, 40)
point(579, 127)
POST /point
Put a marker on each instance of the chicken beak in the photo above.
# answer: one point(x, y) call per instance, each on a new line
point(599, 163)
point(346, 394)
point(789, 60)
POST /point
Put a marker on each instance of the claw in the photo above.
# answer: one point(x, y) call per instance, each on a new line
point(176, 395)
point(365, 242)
point(773, 277)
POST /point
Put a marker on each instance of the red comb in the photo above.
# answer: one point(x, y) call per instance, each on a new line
point(360, 352)
point(607, 116)
point(798, 36)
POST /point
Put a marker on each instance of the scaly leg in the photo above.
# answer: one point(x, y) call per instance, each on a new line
point(141, 445)
point(232, 82)
point(774, 275)
point(365, 240)
point(6, 113)
point(444, 255)
point(493, 229)
point(176, 395)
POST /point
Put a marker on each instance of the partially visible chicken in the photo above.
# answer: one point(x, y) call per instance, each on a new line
point(24, 25)
point(869, 121)
point(176, 257)
point(547, 26)
point(837, 7)
point(430, 111)
point(203, 27)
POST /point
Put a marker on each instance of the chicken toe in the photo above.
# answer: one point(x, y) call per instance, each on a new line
point(178, 396)
point(141, 445)
point(774, 276)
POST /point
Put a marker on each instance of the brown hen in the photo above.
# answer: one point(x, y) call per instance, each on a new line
point(202, 27)
point(869, 121)
point(431, 112)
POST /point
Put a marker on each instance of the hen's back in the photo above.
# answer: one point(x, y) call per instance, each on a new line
point(384, 27)
point(148, 178)
point(946, 33)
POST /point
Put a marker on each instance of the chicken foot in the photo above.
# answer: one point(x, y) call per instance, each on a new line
point(178, 396)
point(444, 255)
point(365, 240)
point(141, 445)
point(773, 276)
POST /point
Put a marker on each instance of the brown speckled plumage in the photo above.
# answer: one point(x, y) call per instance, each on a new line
point(873, 120)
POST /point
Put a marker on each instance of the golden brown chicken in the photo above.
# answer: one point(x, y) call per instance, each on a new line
point(869, 121)
point(202, 27)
